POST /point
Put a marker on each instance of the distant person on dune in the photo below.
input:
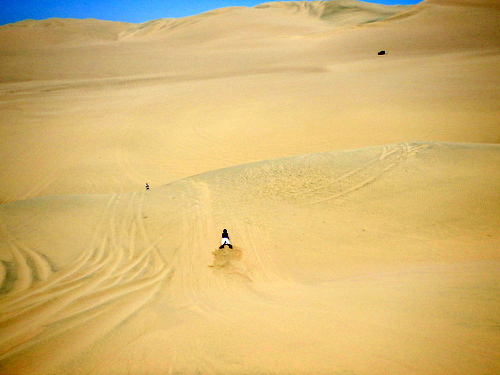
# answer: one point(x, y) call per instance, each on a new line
point(147, 186)
point(225, 240)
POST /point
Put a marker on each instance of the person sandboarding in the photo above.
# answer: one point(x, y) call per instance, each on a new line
point(225, 240)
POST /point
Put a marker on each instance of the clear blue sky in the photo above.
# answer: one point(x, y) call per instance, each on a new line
point(135, 11)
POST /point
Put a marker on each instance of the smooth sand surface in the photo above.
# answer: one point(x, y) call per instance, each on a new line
point(360, 192)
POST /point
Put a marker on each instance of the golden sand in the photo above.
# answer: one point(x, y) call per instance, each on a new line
point(360, 192)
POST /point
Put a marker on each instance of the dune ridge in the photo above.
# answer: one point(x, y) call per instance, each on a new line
point(360, 192)
point(58, 31)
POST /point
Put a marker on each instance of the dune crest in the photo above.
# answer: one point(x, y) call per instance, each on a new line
point(338, 11)
point(68, 31)
point(53, 32)
point(468, 3)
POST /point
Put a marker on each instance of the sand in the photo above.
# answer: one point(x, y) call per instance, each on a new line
point(360, 192)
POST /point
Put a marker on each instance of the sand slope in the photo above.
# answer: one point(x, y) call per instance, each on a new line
point(360, 192)
point(380, 260)
point(238, 85)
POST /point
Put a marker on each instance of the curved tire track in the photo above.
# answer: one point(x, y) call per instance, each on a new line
point(368, 172)
point(43, 304)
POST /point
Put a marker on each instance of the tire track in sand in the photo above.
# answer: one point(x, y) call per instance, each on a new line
point(31, 266)
point(260, 260)
point(77, 271)
point(106, 275)
point(367, 173)
point(191, 269)
point(199, 284)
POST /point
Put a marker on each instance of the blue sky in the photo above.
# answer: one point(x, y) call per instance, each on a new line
point(134, 11)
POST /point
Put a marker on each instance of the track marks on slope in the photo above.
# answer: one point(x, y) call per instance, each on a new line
point(260, 261)
point(196, 225)
point(365, 174)
point(315, 178)
point(31, 267)
point(203, 275)
point(43, 303)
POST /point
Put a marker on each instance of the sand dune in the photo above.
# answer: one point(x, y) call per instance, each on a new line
point(189, 99)
point(360, 192)
point(379, 260)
